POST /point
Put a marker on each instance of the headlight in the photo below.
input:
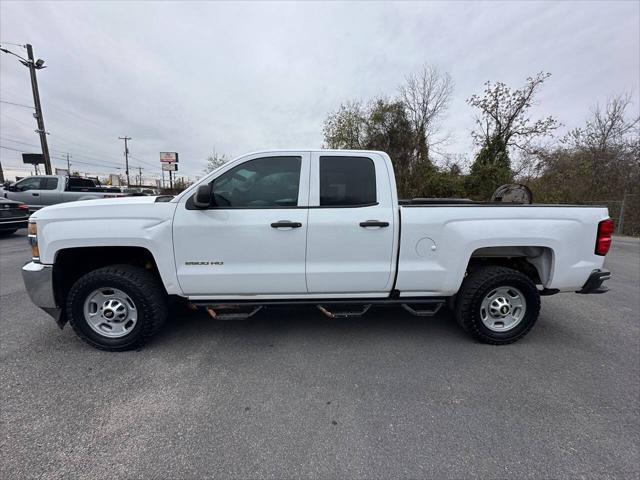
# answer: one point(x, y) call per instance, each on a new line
point(33, 241)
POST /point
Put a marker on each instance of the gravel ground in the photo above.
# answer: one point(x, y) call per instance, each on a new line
point(291, 394)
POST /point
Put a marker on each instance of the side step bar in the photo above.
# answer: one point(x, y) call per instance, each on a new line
point(231, 312)
point(235, 310)
point(344, 314)
point(423, 312)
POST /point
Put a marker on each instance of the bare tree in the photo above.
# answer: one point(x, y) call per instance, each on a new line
point(503, 115)
point(608, 128)
point(214, 161)
point(425, 96)
point(609, 144)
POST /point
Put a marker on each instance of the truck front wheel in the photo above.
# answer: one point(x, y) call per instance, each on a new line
point(497, 305)
point(118, 307)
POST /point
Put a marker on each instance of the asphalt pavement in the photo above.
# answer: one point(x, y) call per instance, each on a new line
point(291, 394)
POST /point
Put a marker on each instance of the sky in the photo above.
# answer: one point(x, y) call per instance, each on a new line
point(192, 77)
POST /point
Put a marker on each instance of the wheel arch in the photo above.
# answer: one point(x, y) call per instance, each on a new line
point(71, 263)
point(537, 262)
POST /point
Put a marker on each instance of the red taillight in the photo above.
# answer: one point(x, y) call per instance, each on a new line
point(22, 206)
point(603, 241)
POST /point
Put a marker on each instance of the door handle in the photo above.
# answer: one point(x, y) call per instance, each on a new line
point(286, 224)
point(35, 194)
point(374, 223)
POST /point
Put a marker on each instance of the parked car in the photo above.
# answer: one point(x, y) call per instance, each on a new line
point(308, 227)
point(13, 216)
point(42, 190)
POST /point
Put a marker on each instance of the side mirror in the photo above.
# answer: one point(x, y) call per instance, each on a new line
point(202, 198)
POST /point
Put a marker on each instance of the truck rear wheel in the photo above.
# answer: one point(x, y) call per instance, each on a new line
point(497, 305)
point(118, 307)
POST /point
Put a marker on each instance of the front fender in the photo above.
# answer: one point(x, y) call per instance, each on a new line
point(147, 226)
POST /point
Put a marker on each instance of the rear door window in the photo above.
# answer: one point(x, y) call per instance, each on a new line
point(347, 182)
point(81, 183)
point(50, 183)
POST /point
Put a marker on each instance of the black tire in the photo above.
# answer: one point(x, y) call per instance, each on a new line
point(144, 289)
point(479, 284)
point(7, 232)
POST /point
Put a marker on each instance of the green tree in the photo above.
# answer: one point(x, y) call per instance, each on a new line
point(346, 127)
point(405, 127)
point(380, 125)
point(387, 128)
point(490, 169)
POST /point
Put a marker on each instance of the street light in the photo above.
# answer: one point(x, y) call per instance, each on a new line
point(33, 66)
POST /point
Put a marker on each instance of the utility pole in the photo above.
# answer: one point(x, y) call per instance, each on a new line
point(1, 174)
point(621, 218)
point(33, 66)
point(68, 165)
point(139, 176)
point(126, 157)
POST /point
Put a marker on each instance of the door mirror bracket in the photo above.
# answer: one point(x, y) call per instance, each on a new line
point(202, 198)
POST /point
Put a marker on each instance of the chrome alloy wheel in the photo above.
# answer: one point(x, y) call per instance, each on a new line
point(110, 312)
point(502, 309)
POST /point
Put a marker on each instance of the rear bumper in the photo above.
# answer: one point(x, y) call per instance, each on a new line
point(594, 283)
point(13, 223)
point(38, 280)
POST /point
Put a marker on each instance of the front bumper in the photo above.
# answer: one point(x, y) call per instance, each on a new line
point(38, 280)
point(594, 283)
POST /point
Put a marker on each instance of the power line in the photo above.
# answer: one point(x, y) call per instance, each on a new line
point(16, 120)
point(21, 45)
point(64, 158)
point(64, 152)
point(17, 104)
point(7, 139)
point(75, 116)
point(16, 141)
point(146, 162)
point(9, 148)
point(84, 147)
point(66, 140)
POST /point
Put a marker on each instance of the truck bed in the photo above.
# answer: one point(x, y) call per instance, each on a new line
point(426, 202)
point(436, 245)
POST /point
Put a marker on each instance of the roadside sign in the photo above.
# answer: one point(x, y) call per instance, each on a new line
point(114, 179)
point(169, 157)
point(169, 167)
point(32, 158)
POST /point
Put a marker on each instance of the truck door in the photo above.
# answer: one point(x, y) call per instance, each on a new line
point(352, 224)
point(252, 239)
point(28, 191)
point(50, 191)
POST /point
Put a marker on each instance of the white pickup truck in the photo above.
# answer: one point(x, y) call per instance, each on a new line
point(307, 227)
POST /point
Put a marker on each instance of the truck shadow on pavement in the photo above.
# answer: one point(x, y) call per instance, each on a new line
point(307, 322)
